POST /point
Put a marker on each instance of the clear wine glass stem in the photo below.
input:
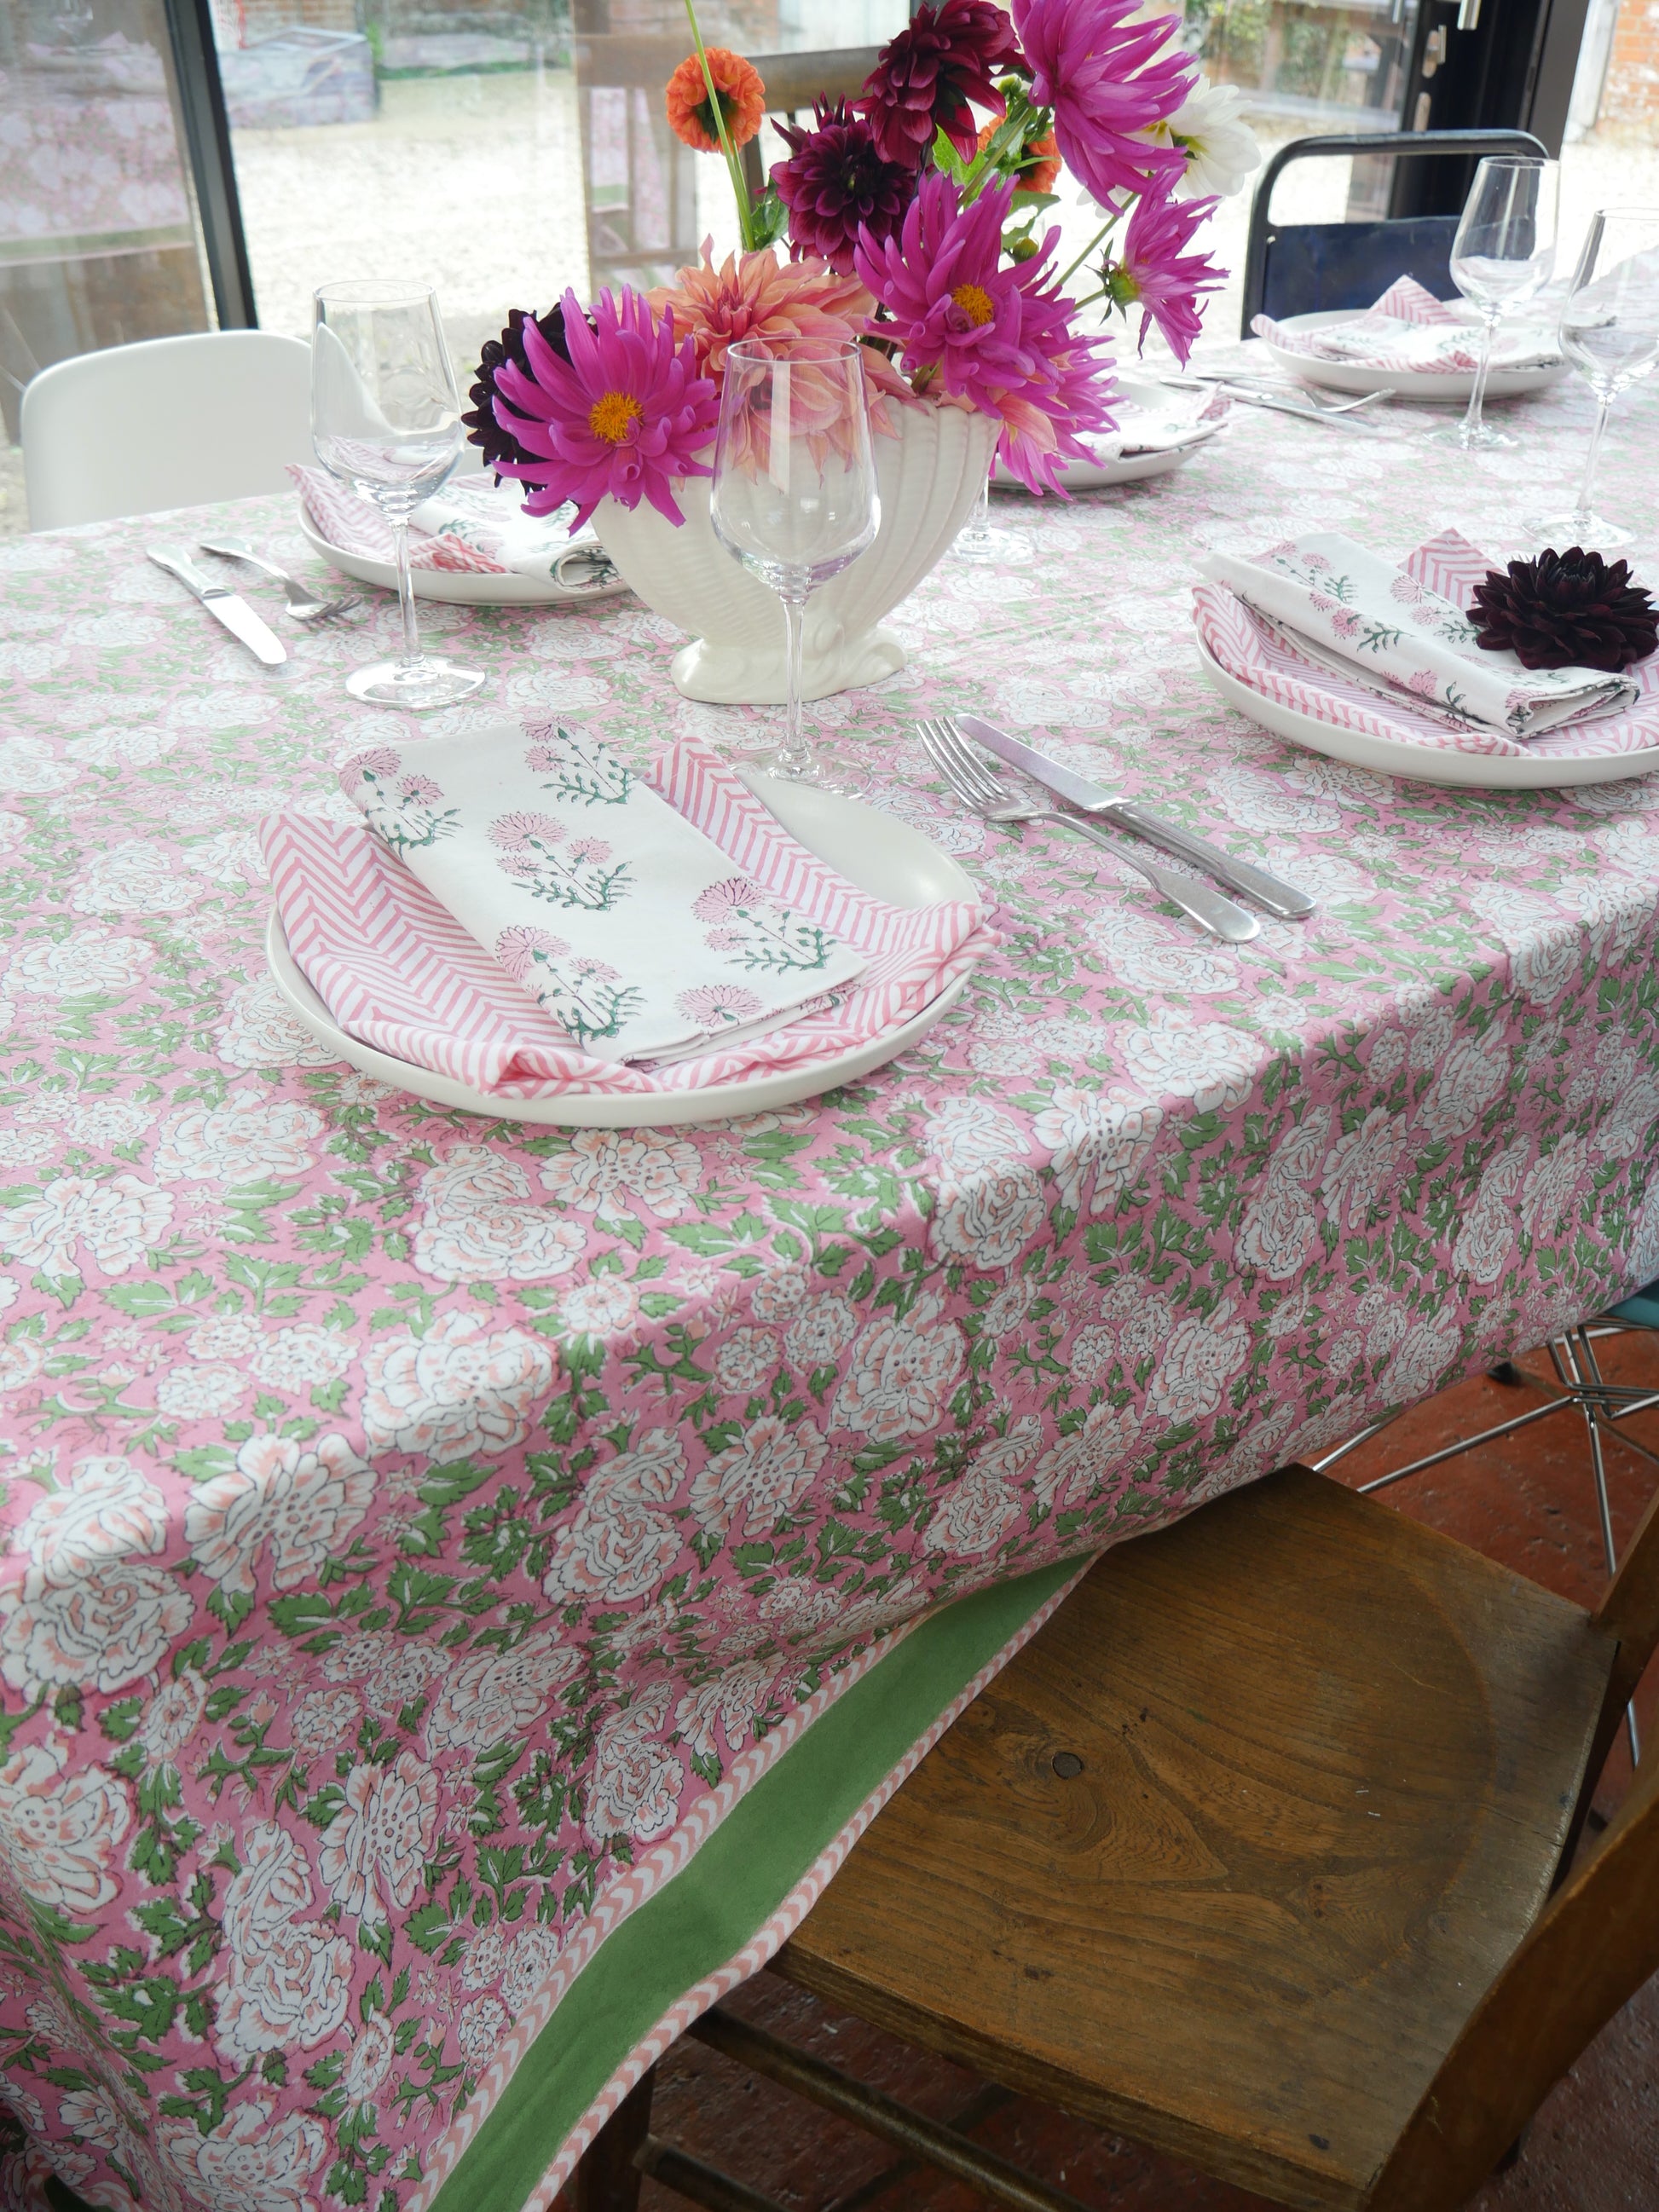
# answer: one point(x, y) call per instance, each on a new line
point(405, 590)
point(794, 757)
point(980, 521)
point(1472, 421)
point(1587, 489)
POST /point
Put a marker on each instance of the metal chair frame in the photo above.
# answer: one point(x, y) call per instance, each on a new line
point(1603, 1405)
point(1407, 143)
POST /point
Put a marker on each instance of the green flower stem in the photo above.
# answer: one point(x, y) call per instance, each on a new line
point(734, 168)
point(1008, 137)
point(1099, 238)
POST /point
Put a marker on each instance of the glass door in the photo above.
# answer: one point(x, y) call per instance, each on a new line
point(100, 237)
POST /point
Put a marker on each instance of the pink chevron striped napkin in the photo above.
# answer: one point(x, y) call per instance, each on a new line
point(1261, 649)
point(1410, 330)
point(471, 528)
point(396, 969)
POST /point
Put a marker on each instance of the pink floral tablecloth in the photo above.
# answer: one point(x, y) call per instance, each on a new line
point(411, 1517)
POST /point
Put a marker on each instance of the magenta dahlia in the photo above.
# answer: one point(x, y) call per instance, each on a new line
point(953, 310)
point(1155, 273)
point(1107, 76)
point(947, 55)
point(625, 415)
point(837, 183)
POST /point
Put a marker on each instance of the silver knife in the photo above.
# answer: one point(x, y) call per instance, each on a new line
point(1334, 418)
point(225, 606)
point(1281, 899)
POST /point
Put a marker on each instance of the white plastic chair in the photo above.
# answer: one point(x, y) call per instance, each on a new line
point(168, 423)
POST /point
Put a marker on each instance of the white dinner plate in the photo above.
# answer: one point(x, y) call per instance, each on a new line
point(456, 587)
point(888, 859)
point(1423, 763)
point(1155, 403)
point(1405, 383)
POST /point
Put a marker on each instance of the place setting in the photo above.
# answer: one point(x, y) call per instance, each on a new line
point(1458, 665)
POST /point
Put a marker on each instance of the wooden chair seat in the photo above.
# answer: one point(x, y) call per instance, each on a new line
point(1226, 1857)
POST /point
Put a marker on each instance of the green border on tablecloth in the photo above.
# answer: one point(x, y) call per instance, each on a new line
point(706, 1914)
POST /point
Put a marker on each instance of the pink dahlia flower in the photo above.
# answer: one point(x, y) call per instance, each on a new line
point(1106, 77)
point(626, 416)
point(955, 312)
point(1155, 273)
point(925, 76)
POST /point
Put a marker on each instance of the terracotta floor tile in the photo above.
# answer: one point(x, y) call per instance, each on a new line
point(1595, 2145)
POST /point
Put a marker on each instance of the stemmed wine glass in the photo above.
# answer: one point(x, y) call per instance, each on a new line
point(980, 539)
point(1503, 254)
point(386, 418)
point(1610, 333)
point(794, 495)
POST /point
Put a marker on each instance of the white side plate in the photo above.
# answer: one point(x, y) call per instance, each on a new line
point(1405, 383)
point(1423, 763)
point(456, 587)
point(888, 859)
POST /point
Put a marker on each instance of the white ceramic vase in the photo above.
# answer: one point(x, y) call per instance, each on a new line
point(929, 474)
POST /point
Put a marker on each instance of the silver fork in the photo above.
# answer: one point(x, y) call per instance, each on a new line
point(303, 603)
point(979, 788)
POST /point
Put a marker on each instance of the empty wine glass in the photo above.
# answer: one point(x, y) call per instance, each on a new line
point(1610, 333)
point(980, 539)
point(386, 418)
point(1503, 253)
point(794, 493)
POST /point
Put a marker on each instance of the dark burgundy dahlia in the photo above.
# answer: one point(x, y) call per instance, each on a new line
point(1570, 610)
point(486, 426)
point(948, 55)
point(834, 182)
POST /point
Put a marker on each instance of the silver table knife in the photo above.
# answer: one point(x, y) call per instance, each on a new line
point(1277, 898)
point(225, 606)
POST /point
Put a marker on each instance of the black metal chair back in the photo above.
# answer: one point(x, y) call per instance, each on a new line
point(1298, 269)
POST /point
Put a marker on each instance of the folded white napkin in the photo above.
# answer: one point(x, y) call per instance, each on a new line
point(622, 919)
point(1389, 624)
point(1409, 329)
point(472, 526)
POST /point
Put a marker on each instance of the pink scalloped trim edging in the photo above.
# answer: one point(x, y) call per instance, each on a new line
point(775, 1932)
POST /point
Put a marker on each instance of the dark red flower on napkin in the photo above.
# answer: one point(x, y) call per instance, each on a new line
point(1570, 610)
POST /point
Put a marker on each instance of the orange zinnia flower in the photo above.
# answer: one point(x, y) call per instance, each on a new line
point(743, 100)
point(1039, 164)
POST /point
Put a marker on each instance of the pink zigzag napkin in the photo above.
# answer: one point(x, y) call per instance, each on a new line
point(1409, 330)
point(395, 969)
point(1452, 567)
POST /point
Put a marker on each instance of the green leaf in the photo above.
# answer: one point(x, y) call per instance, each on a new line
point(142, 1300)
point(203, 1461)
point(427, 1929)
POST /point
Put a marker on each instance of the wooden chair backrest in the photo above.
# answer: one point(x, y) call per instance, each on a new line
point(1593, 1946)
point(794, 82)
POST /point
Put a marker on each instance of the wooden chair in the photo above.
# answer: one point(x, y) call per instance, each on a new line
point(1263, 1851)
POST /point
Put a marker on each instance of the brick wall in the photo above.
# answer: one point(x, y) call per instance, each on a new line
point(1631, 92)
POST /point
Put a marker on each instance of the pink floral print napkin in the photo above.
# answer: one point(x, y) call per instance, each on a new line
point(473, 527)
point(395, 968)
point(616, 915)
point(1391, 624)
point(1409, 329)
point(1269, 658)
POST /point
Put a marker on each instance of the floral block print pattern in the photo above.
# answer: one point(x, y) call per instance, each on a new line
point(408, 1516)
point(1388, 623)
point(591, 892)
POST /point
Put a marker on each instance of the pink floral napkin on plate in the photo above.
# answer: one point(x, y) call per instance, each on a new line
point(395, 968)
point(1410, 331)
point(1261, 653)
point(471, 528)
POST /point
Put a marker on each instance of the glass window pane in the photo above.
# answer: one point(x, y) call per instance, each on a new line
point(99, 243)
